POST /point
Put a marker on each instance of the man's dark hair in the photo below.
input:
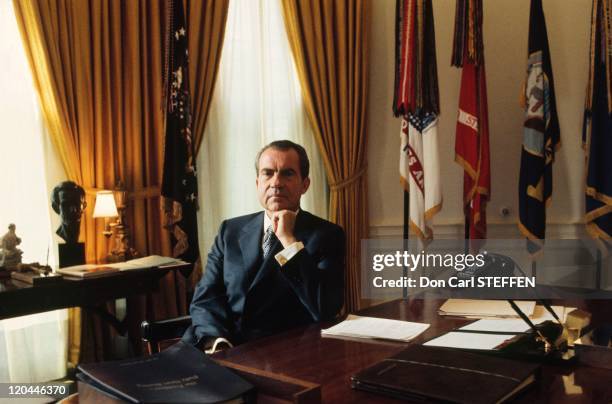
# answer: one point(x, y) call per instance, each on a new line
point(287, 145)
point(65, 186)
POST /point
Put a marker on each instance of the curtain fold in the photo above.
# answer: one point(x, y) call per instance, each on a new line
point(97, 68)
point(207, 22)
point(44, 56)
point(328, 39)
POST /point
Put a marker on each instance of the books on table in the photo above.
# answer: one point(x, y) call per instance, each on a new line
point(375, 328)
point(147, 262)
point(96, 270)
point(87, 271)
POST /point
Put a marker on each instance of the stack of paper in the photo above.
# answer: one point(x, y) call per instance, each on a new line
point(498, 322)
point(517, 325)
point(540, 313)
point(87, 271)
point(146, 262)
point(484, 308)
point(376, 328)
point(96, 270)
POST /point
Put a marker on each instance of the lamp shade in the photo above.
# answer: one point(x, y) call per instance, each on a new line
point(105, 205)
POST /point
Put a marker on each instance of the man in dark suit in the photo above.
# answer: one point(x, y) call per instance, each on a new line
point(272, 270)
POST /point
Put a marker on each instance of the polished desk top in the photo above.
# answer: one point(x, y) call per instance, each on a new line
point(19, 298)
point(302, 353)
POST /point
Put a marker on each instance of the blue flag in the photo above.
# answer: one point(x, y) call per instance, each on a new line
point(597, 133)
point(541, 134)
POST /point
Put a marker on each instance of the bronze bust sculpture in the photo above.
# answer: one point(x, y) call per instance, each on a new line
point(68, 201)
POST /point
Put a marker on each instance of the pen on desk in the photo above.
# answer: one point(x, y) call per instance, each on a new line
point(526, 319)
point(551, 311)
point(549, 308)
point(543, 302)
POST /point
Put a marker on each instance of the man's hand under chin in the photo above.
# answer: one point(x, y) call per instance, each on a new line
point(284, 225)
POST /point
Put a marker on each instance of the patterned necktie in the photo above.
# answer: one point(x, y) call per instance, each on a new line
point(268, 241)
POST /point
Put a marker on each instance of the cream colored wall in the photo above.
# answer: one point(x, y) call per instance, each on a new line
point(505, 40)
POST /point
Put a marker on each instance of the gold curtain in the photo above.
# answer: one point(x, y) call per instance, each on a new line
point(206, 34)
point(328, 39)
point(97, 68)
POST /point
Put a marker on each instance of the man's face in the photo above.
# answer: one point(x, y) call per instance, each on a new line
point(71, 206)
point(279, 182)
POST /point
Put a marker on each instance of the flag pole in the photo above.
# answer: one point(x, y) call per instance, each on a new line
point(598, 270)
point(466, 233)
point(406, 238)
point(416, 101)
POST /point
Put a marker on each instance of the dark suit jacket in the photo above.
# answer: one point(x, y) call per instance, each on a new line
point(242, 298)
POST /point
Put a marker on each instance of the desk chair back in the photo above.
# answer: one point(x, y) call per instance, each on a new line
point(158, 335)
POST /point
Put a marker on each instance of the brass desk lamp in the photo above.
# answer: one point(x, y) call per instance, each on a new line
point(112, 204)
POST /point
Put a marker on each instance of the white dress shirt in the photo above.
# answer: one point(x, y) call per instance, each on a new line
point(287, 253)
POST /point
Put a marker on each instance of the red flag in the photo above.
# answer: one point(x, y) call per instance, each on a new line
point(416, 68)
point(472, 147)
point(404, 89)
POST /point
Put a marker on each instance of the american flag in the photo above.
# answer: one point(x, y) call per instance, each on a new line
point(416, 100)
point(179, 183)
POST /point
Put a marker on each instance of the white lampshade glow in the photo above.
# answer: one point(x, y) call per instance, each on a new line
point(105, 205)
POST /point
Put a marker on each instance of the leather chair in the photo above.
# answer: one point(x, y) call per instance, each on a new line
point(158, 335)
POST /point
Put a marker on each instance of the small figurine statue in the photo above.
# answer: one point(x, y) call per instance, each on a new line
point(10, 255)
point(68, 201)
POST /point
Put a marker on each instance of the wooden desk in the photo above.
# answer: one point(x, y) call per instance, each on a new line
point(303, 354)
point(19, 298)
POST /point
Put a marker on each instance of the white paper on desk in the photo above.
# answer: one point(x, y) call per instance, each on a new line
point(146, 262)
point(87, 270)
point(373, 327)
point(83, 267)
point(469, 340)
point(484, 308)
point(517, 325)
